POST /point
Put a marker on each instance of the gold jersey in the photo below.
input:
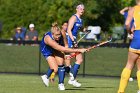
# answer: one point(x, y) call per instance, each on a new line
point(136, 17)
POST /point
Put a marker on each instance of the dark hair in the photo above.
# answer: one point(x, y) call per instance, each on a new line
point(64, 22)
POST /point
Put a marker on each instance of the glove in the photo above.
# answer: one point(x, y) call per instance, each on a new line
point(74, 44)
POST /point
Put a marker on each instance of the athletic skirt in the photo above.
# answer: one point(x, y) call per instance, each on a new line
point(135, 43)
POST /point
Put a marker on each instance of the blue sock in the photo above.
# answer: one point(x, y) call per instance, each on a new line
point(71, 69)
point(49, 72)
point(75, 69)
point(61, 73)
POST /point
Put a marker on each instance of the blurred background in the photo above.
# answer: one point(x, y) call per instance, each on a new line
point(102, 17)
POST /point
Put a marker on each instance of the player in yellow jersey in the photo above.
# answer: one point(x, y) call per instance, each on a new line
point(134, 49)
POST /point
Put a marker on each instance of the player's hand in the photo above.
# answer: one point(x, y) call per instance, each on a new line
point(74, 44)
point(88, 31)
point(130, 36)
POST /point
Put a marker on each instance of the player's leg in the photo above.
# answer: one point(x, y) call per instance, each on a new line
point(53, 67)
point(76, 66)
point(67, 65)
point(138, 73)
point(132, 57)
point(59, 56)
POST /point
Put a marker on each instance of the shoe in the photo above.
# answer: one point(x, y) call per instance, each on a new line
point(45, 80)
point(76, 84)
point(61, 86)
point(138, 91)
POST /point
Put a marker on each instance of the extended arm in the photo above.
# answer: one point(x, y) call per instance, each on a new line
point(123, 10)
point(58, 47)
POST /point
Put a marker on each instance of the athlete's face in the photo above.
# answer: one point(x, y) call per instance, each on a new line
point(80, 10)
point(65, 26)
point(57, 35)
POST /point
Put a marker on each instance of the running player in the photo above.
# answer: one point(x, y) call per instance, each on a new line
point(52, 49)
point(65, 35)
point(134, 49)
point(74, 24)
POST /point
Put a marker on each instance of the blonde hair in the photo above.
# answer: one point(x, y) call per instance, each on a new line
point(80, 5)
point(55, 27)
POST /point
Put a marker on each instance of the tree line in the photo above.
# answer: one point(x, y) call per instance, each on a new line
point(42, 13)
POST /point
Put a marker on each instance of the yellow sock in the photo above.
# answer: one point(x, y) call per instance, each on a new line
point(138, 78)
point(124, 79)
point(52, 75)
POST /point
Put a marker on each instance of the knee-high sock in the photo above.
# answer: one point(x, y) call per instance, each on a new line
point(124, 80)
point(49, 72)
point(75, 69)
point(61, 73)
point(138, 78)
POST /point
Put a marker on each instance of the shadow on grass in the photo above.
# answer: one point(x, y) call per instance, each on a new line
point(76, 89)
point(97, 87)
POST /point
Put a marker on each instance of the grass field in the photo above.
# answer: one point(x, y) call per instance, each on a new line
point(14, 83)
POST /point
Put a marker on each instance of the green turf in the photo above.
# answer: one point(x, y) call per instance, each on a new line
point(10, 83)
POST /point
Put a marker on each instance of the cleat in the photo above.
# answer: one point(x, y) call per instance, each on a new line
point(61, 86)
point(76, 84)
point(45, 80)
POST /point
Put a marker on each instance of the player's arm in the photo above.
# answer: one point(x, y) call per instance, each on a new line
point(70, 26)
point(123, 10)
point(129, 19)
point(58, 47)
point(64, 38)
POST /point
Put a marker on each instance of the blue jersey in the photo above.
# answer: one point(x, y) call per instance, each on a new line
point(47, 50)
point(77, 25)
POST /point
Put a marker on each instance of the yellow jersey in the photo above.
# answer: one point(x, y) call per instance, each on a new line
point(136, 17)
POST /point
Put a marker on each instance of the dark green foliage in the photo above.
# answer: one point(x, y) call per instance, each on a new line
point(42, 13)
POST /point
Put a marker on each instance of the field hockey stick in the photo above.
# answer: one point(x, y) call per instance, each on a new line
point(88, 31)
point(94, 46)
point(102, 43)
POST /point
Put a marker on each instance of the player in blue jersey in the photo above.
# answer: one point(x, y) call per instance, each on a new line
point(52, 49)
point(74, 24)
point(65, 36)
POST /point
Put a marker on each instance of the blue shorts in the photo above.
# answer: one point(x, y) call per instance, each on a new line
point(135, 43)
